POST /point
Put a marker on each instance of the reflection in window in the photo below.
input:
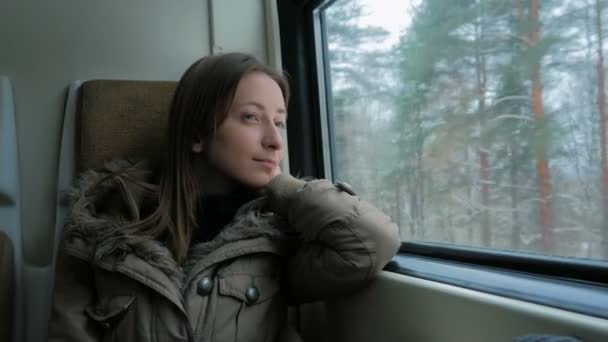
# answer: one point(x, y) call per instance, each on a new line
point(475, 122)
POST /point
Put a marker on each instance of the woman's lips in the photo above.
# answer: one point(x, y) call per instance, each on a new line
point(268, 163)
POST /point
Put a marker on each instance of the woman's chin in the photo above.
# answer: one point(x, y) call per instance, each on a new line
point(256, 182)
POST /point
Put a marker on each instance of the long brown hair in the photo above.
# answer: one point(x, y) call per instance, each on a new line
point(201, 102)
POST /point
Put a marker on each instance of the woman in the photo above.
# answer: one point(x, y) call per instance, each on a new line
point(217, 245)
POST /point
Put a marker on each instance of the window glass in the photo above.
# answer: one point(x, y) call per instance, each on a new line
point(474, 122)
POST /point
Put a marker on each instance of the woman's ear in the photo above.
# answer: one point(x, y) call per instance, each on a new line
point(197, 145)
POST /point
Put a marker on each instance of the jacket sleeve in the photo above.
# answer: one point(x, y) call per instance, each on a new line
point(344, 241)
point(73, 291)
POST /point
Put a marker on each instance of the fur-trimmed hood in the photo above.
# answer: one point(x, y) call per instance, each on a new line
point(104, 201)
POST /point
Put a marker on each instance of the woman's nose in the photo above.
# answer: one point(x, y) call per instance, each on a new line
point(272, 138)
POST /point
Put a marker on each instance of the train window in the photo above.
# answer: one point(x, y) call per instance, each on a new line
point(472, 123)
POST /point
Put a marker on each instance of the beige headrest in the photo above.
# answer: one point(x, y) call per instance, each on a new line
point(121, 119)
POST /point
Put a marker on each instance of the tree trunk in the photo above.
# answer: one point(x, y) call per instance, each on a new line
point(398, 200)
point(601, 100)
point(413, 204)
point(484, 167)
point(417, 196)
point(514, 167)
point(542, 166)
point(469, 180)
point(449, 226)
point(420, 189)
point(592, 134)
point(515, 226)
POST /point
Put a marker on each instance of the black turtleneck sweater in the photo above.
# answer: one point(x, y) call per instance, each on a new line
point(216, 211)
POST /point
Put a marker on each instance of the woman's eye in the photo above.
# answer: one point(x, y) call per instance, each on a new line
point(280, 124)
point(249, 117)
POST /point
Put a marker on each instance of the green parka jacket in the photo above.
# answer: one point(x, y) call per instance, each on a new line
point(301, 241)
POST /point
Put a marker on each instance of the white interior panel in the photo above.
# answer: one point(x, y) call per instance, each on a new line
point(404, 308)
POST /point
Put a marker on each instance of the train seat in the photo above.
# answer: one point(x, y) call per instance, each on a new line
point(11, 265)
point(103, 120)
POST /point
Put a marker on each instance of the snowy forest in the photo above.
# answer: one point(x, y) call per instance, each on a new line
point(483, 125)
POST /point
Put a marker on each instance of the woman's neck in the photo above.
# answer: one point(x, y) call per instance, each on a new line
point(213, 182)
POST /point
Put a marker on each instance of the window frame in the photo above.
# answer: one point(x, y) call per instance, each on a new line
point(583, 297)
point(299, 54)
point(304, 59)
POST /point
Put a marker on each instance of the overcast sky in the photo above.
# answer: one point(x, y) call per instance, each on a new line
point(392, 15)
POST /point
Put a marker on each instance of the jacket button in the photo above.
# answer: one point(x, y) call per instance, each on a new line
point(343, 186)
point(252, 294)
point(205, 286)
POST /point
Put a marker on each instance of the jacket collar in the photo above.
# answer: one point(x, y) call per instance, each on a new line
point(94, 229)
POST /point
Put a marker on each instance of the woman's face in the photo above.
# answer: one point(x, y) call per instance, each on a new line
point(248, 145)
